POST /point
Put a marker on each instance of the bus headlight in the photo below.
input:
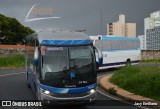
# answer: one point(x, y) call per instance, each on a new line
point(46, 92)
point(92, 91)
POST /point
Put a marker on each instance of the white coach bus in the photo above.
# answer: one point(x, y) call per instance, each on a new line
point(61, 67)
point(117, 51)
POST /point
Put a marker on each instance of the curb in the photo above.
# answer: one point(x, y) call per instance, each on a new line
point(104, 82)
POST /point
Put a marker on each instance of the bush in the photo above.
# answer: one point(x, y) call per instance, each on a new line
point(112, 91)
point(12, 61)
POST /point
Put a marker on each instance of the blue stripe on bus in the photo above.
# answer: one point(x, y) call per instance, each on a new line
point(121, 50)
point(117, 38)
point(68, 90)
point(66, 42)
point(118, 63)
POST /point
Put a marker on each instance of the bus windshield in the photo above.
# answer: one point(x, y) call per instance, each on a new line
point(68, 66)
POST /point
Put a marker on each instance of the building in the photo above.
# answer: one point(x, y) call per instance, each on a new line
point(155, 14)
point(115, 29)
point(152, 21)
point(150, 24)
point(130, 30)
point(142, 42)
point(153, 38)
point(121, 28)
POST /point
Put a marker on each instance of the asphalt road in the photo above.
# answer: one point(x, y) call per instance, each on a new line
point(13, 87)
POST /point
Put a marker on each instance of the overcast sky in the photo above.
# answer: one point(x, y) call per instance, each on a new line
point(82, 14)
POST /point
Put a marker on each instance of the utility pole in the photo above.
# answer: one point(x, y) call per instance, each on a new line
point(102, 22)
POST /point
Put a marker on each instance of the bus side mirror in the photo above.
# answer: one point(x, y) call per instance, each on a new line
point(36, 56)
point(100, 56)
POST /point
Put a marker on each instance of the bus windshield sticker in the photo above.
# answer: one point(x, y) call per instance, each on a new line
point(55, 49)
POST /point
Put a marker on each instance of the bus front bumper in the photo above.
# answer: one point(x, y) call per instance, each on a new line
point(69, 100)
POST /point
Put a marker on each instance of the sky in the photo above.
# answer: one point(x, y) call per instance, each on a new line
point(80, 14)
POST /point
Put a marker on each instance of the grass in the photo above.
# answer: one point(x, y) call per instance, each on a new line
point(12, 61)
point(143, 81)
point(152, 60)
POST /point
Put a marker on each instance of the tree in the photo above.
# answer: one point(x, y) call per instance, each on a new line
point(13, 32)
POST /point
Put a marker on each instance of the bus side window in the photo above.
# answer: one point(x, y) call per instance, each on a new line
point(128, 44)
point(115, 45)
point(111, 45)
point(106, 45)
point(121, 45)
point(134, 44)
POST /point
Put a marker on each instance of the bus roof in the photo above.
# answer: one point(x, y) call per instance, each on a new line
point(62, 37)
point(103, 37)
point(117, 38)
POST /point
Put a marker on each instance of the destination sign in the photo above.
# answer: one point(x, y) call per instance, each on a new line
point(55, 48)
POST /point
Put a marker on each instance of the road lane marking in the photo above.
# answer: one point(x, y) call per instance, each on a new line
point(108, 95)
point(12, 74)
point(101, 76)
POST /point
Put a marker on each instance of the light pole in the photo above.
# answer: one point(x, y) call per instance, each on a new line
point(102, 22)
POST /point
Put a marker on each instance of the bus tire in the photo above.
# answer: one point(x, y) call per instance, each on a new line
point(128, 62)
point(28, 85)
